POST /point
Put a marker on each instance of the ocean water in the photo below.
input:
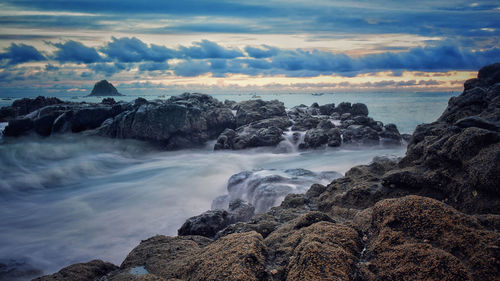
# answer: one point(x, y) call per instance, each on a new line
point(67, 199)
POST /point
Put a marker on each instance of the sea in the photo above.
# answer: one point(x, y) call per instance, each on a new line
point(70, 198)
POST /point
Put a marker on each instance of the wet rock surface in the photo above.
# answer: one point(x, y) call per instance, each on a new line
point(432, 215)
point(191, 119)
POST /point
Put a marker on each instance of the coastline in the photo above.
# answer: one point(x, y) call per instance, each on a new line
point(431, 215)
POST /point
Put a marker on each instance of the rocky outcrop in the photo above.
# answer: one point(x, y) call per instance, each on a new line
point(24, 106)
point(211, 222)
point(191, 119)
point(104, 88)
point(418, 238)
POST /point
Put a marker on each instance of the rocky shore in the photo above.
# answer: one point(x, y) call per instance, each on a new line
point(190, 120)
point(432, 215)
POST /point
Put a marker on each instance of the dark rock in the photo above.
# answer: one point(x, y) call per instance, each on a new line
point(206, 224)
point(18, 127)
point(345, 116)
point(314, 138)
point(230, 104)
point(255, 110)
point(327, 109)
point(390, 135)
point(343, 107)
point(306, 123)
point(241, 210)
point(104, 88)
point(25, 106)
point(475, 121)
point(108, 101)
point(359, 109)
point(361, 120)
point(325, 125)
point(334, 137)
point(92, 270)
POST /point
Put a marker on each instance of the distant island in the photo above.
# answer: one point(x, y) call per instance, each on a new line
point(104, 88)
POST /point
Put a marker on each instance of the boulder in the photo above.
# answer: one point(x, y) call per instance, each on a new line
point(314, 138)
point(359, 109)
point(255, 110)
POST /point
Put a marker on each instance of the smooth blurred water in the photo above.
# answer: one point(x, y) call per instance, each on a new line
point(68, 199)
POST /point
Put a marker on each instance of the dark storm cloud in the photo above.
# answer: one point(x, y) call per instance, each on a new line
point(73, 51)
point(134, 50)
point(20, 53)
point(209, 50)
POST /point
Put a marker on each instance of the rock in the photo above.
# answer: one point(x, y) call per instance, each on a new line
point(390, 135)
point(418, 238)
point(233, 257)
point(108, 101)
point(255, 110)
point(266, 132)
point(206, 224)
point(230, 104)
point(359, 109)
point(361, 120)
point(104, 88)
point(314, 138)
point(320, 251)
point(25, 106)
point(345, 116)
point(81, 272)
point(343, 107)
point(183, 121)
point(325, 125)
point(240, 210)
point(334, 137)
point(327, 109)
point(475, 121)
point(18, 127)
point(305, 123)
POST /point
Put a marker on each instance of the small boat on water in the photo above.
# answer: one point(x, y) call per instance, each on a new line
point(256, 97)
point(6, 99)
point(317, 94)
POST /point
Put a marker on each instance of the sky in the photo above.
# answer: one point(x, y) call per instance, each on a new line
point(53, 47)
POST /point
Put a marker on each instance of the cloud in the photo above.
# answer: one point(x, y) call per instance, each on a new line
point(209, 50)
point(51, 67)
point(21, 53)
point(263, 52)
point(108, 69)
point(191, 68)
point(134, 50)
point(154, 66)
point(73, 51)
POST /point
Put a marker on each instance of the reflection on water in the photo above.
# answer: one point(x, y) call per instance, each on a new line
point(70, 199)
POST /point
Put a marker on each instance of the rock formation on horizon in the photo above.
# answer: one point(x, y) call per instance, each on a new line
point(104, 88)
